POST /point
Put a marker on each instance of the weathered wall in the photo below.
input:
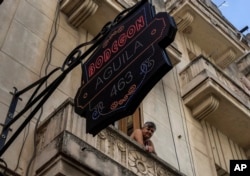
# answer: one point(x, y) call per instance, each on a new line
point(25, 34)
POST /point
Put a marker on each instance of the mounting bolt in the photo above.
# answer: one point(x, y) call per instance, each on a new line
point(10, 115)
point(3, 136)
point(83, 148)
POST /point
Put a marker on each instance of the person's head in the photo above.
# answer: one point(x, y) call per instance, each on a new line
point(148, 130)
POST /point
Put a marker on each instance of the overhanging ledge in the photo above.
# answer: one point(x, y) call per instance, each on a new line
point(222, 105)
point(77, 157)
point(62, 141)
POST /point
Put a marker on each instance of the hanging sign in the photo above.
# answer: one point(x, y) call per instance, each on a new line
point(124, 68)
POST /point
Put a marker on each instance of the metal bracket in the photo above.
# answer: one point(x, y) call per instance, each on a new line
point(73, 59)
point(9, 118)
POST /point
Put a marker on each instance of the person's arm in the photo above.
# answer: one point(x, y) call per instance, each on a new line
point(151, 147)
point(137, 135)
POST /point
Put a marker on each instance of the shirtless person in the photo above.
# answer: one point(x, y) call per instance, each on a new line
point(143, 135)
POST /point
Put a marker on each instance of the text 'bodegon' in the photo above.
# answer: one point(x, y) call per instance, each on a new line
point(125, 67)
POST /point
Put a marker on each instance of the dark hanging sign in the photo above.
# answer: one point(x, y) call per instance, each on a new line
point(125, 67)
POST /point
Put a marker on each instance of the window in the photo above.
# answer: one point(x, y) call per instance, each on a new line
point(128, 124)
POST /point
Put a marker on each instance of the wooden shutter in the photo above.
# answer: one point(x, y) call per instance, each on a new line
point(128, 124)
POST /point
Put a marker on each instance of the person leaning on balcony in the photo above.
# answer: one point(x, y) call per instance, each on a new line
point(143, 135)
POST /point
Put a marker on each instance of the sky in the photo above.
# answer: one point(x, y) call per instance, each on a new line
point(236, 11)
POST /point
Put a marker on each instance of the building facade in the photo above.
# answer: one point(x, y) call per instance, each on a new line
point(201, 107)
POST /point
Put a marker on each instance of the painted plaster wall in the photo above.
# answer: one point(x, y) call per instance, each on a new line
point(24, 36)
point(25, 28)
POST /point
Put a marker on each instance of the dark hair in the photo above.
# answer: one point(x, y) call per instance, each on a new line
point(150, 125)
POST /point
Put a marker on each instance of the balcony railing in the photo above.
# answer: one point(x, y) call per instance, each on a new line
point(63, 133)
point(217, 98)
point(201, 64)
point(214, 15)
point(207, 32)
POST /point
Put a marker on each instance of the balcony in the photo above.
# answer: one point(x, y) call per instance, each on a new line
point(206, 28)
point(63, 148)
point(244, 65)
point(93, 15)
point(213, 96)
point(90, 14)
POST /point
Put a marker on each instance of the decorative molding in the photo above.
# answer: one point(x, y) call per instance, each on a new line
point(205, 107)
point(172, 4)
point(244, 65)
point(140, 165)
point(187, 19)
point(127, 3)
point(217, 145)
point(246, 82)
point(174, 53)
point(248, 154)
point(226, 58)
point(113, 144)
point(79, 157)
point(78, 11)
point(200, 65)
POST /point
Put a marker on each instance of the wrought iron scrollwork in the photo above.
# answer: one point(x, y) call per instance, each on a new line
point(72, 60)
